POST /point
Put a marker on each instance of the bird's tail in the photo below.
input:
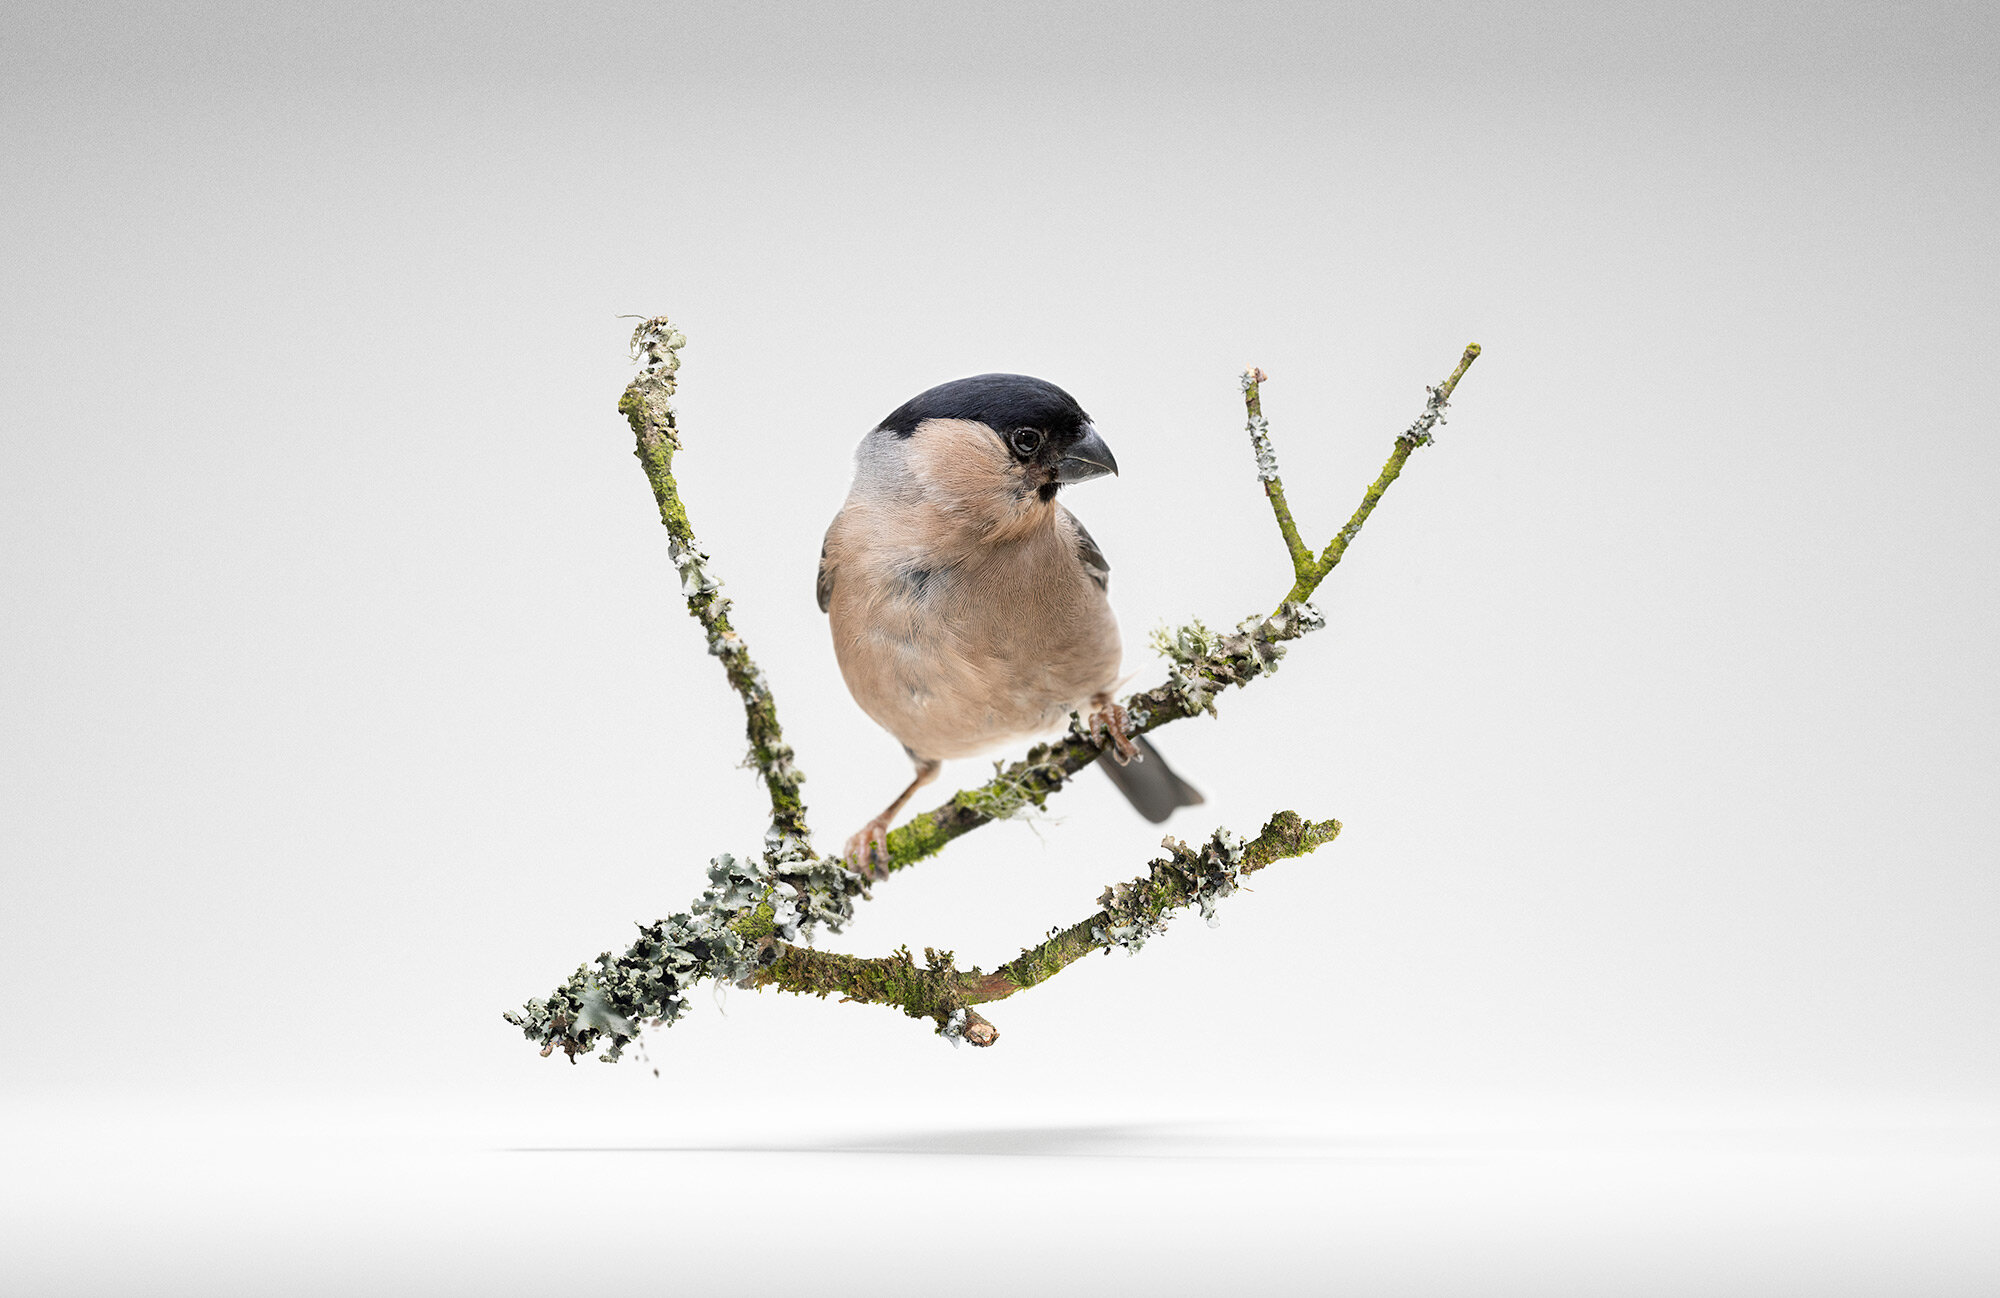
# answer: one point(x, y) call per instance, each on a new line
point(1149, 783)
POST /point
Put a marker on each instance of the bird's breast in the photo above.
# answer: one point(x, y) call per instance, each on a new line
point(955, 654)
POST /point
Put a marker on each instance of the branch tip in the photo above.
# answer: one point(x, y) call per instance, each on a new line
point(1311, 573)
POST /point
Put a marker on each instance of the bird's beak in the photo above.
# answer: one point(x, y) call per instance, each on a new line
point(1089, 458)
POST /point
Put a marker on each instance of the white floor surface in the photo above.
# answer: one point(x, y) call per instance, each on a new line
point(394, 1201)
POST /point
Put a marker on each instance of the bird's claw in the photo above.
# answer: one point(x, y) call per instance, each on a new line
point(867, 847)
point(1111, 722)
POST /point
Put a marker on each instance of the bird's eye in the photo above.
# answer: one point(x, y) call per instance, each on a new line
point(1026, 440)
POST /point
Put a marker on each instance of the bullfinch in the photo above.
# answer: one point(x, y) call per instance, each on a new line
point(968, 606)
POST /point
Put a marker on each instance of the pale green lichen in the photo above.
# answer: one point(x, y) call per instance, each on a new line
point(953, 1027)
point(1182, 643)
point(728, 935)
point(1013, 794)
point(1134, 911)
point(1260, 446)
point(1204, 662)
point(1420, 432)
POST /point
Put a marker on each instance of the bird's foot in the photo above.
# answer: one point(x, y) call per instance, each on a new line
point(1110, 721)
point(868, 847)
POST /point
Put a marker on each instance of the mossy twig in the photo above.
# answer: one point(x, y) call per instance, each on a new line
point(647, 406)
point(1308, 572)
point(1267, 469)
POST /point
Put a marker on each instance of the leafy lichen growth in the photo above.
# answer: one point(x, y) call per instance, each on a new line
point(734, 929)
point(1420, 432)
point(1203, 662)
point(1012, 794)
point(1135, 911)
point(1129, 913)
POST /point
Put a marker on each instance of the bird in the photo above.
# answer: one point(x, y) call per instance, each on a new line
point(969, 607)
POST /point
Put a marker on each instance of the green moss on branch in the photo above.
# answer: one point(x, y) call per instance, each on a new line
point(1311, 573)
point(648, 408)
point(1129, 914)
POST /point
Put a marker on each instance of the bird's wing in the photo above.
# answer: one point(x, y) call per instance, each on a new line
point(1095, 565)
point(825, 575)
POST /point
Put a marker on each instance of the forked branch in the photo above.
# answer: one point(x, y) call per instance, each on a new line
point(754, 923)
point(1307, 571)
point(1203, 661)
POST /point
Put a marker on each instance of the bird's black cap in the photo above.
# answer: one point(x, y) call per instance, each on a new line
point(1000, 401)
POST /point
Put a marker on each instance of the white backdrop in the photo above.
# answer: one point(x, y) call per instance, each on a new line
point(347, 698)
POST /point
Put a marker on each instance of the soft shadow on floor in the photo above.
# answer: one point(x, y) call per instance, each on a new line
point(1099, 1140)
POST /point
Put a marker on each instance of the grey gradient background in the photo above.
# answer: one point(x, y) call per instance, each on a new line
point(347, 699)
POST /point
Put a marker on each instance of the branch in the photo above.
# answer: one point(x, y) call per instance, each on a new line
point(1204, 663)
point(646, 406)
point(1267, 471)
point(1047, 768)
point(1128, 914)
point(1308, 573)
point(754, 914)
